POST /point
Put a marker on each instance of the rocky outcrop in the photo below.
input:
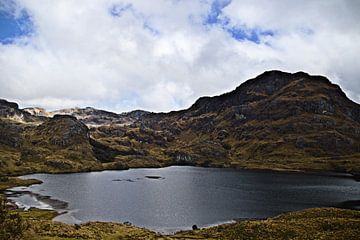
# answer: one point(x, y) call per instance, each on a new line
point(61, 143)
point(94, 117)
point(11, 111)
point(11, 133)
point(63, 131)
point(37, 111)
point(182, 158)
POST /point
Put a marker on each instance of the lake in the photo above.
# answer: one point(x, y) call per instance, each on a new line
point(175, 198)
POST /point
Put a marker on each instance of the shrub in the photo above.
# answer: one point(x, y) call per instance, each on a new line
point(12, 226)
point(3, 178)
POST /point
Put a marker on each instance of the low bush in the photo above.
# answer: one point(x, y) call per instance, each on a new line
point(12, 226)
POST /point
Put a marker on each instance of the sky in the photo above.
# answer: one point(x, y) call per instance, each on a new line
point(162, 55)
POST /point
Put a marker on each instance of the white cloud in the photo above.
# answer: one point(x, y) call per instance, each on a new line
point(159, 55)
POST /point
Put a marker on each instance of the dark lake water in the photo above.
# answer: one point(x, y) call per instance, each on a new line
point(182, 196)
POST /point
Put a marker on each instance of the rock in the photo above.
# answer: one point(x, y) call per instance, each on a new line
point(95, 117)
point(154, 177)
point(181, 158)
point(11, 133)
point(10, 110)
point(58, 165)
point(222, 134)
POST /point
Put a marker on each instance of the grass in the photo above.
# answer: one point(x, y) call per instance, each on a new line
point(9, 182)
point(317, 223)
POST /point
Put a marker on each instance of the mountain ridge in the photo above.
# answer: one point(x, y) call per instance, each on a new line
point(276, 120)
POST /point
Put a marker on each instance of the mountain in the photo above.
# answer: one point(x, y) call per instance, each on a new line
point(275, 117)
point(61, 142)
point(10, 110)
point(38, 112)
point(91, 116)
point(277, 120)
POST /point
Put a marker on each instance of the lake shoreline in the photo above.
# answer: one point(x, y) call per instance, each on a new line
point(55, 213)
point(345, 174)
point(304, 224)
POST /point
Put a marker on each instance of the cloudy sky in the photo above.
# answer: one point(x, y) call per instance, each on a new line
point(162, 55)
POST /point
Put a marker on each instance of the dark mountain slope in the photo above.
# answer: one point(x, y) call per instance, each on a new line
point(10, 110)
point(274, 120)
point(58, 138)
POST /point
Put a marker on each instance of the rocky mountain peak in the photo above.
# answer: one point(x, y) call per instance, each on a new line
point(62, 131)
point(270, 85)
point(6, 104)
point(11, 111)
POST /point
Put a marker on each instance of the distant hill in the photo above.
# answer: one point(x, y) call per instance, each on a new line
point(91, 116)
point(277, 120)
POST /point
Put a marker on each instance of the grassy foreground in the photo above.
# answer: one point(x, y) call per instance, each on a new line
point(316, 223)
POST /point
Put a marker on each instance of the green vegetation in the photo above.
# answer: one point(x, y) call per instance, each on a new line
point(317, 223)
point(12, 225)
point(9, 182)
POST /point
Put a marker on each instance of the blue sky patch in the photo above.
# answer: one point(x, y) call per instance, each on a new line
point(217, 6)
point(243, 33)
point(150, 28)
point(239, 33)
point(119, 9)
point(11, 26)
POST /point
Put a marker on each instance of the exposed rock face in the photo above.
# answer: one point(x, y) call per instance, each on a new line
point(8, 105)
point(94, 117)
point(10, 110)
point(10, 133)
point(39, 112)
point(183, 158)
point(276, 120)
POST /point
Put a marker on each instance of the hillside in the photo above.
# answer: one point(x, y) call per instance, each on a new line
point(277, 120)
